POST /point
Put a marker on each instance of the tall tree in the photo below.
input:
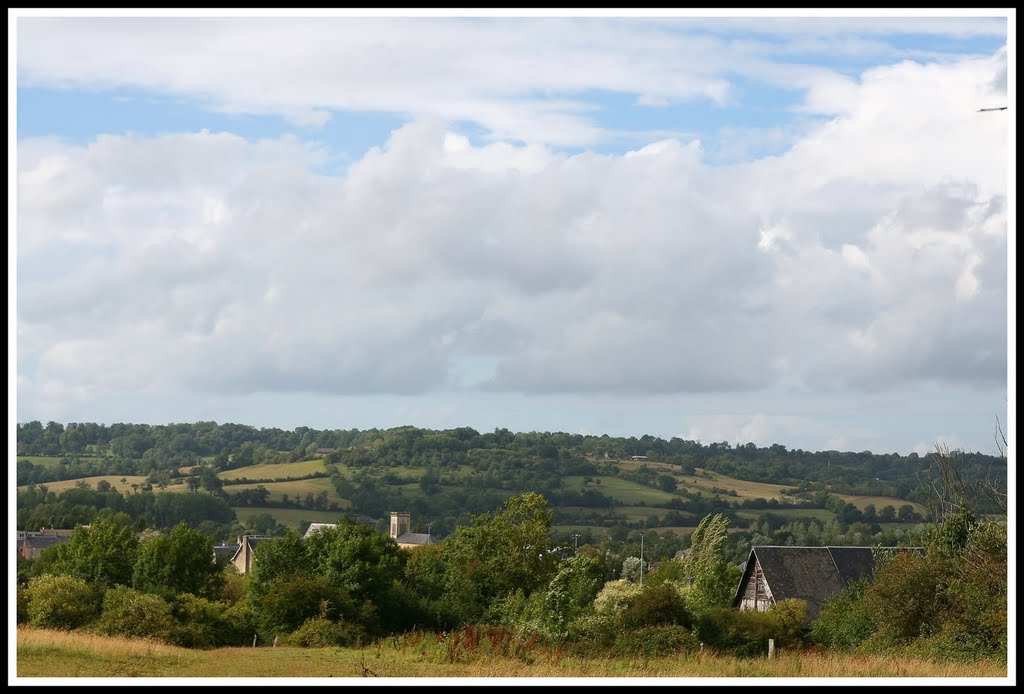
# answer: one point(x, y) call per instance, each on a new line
point(103, 552)
point(505, 551)
point(180, 561)
point(714, 578)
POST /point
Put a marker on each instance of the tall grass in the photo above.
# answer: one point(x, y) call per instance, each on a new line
point(473, 652)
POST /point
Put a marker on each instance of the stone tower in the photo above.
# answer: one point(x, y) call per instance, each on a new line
point(400, 523)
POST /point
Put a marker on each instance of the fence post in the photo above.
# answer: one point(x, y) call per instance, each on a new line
point(254, 640)
point(771, 648)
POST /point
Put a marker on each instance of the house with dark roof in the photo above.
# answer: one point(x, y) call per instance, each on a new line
point(811, 574)
point(225, 552)
point(242, 558)
point(317, 527)
point(33, 544)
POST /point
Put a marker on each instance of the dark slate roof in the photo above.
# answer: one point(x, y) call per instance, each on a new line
point(807, 573)
point(226, 551)
point(853, 563)
point(812, 574)
point(415, 539)
point(44, 541)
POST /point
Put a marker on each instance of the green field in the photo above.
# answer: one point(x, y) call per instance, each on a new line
point(821, 514)
point(880, 502)
point(49, 462)
point(623, 491)
point(290, 517)
point(278, 471)
point(295, 489)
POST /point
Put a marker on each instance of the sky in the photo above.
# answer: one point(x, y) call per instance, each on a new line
point(767, 229)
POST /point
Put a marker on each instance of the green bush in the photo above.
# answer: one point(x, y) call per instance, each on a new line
point(592, 631)
point(655, 642)
point(323, 633)
point(615, 596)
point(655, 606)
point(200, 623)
point(61, 602)
point(745, 633)
point(131, 613)
point(241, 624)
point(903, 601)
point(843, 622)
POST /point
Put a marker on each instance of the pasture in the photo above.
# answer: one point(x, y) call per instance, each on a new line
point(276, 471)
point(114, 480)
point(289, 517)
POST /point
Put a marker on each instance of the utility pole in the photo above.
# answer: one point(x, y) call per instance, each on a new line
point(575, 543)
point(642, 559)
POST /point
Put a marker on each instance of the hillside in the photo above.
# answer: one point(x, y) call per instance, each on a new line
point(593, 483)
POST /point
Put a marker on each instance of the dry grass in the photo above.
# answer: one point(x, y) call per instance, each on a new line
point(42, 653)
point(745, 489)
point(114, 480)
point(278, 471)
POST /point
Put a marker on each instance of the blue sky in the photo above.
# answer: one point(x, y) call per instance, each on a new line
point(770, 229)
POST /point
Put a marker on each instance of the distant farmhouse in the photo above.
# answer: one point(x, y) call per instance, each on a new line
point(240, 553)
point(31, 544)
point(242, 558)
point(811, 574)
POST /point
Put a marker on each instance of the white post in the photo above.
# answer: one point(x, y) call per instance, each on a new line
point(771, 648)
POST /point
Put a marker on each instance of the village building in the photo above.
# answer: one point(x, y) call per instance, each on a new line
point(400, 531)
point(242, 558)
point(32, 543)
point(812, 574)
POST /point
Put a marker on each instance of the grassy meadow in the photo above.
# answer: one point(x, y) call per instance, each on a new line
point(46, 653)
point(289, 517)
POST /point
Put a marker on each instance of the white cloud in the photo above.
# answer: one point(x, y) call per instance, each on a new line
point(534, 80)
point(871, 255)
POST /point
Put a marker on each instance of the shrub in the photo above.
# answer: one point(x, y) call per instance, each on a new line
point(597, 630)
point(200, 623)
point(654, 642)
point(904, 598)
point(128, 612)
point(289, 601)
point(745, 633)
point(323, 633)
point(655, 606)
point(61, 602)
point(614, 596)
point(843, 622)
point(241, 624)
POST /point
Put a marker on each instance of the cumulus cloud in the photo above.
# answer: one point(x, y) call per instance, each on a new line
point(871, 254)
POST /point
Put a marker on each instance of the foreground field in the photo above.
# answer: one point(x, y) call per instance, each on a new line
point(44, 653)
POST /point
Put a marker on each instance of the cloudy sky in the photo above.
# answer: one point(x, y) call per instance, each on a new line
point(750, 229)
